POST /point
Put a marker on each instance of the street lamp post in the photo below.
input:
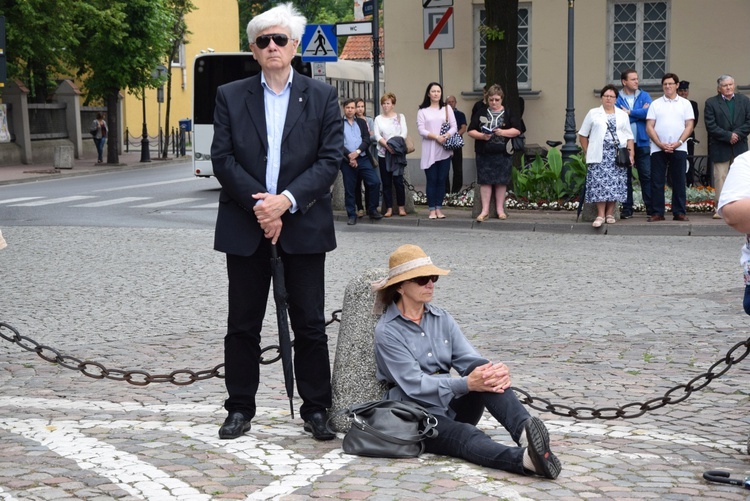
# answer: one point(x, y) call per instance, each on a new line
point(570, 147)
point(145, 153)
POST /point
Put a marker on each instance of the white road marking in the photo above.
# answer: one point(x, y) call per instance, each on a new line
point(22, 199)
point(212, 205)
point(166, 203)
point(137, 477)
point(147, 185)
point(114, 201)
point(50, 201)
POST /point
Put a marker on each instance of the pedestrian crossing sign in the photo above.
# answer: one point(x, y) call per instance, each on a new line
point(319, 43)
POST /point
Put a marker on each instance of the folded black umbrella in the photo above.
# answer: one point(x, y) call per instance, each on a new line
point(285, 341)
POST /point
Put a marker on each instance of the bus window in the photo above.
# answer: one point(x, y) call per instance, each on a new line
point(209, 72)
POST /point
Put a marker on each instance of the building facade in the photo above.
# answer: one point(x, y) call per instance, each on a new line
point(695, 39)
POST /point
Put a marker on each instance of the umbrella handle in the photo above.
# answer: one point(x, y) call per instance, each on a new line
point(274, 251)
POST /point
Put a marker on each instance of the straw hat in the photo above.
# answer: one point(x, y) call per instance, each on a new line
point(406, 262)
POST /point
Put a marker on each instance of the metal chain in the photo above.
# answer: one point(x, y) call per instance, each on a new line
point(136, 377)
point(632, 410)
point(184, 377)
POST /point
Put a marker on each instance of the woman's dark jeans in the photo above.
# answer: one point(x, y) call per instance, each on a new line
point(388, 180)
point(460, 438)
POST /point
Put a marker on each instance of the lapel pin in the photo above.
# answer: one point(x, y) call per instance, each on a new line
point(300, 100)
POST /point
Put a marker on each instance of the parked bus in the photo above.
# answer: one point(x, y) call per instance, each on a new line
point(209, 72)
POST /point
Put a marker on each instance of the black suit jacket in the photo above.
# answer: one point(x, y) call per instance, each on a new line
point(310, 157)
point(720, 127)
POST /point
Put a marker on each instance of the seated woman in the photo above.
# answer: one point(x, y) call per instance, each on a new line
point(416, 346)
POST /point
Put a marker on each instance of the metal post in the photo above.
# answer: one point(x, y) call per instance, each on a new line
point(570, 147)
point(440, 68)
point(145, 154)
point(375, 58)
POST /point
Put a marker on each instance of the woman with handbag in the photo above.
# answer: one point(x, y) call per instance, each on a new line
point(436, 124)
point(99, 133)
point(416, 346)
point(387, 125)
point(492, 126)
point(604, 132)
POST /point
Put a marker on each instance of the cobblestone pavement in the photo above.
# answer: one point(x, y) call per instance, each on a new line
point(582, 320)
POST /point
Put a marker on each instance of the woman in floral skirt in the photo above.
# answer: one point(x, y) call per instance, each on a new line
point(604, 130)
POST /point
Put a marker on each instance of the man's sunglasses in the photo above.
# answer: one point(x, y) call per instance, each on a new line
point(422, 281)
point(278, 38)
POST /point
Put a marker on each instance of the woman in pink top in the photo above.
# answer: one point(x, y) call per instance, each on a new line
point(435, 159)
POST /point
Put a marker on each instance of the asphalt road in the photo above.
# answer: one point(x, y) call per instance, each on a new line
point(581, 320)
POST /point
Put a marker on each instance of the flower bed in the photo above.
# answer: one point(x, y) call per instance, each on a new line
point(699, 199)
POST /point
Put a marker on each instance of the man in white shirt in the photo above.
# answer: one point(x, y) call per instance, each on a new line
point(669, 123)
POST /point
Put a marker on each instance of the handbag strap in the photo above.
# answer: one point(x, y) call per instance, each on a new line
point(614, 138)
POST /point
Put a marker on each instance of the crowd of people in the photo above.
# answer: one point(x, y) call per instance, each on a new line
point(657, 134)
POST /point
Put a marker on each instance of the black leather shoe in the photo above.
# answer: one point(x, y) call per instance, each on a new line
point(235, 425)
point(626, 215)
point(317, 424)
point(546, 464)
point(352, 221)
point(375, 215)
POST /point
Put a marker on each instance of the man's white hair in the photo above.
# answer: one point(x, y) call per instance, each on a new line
point(285, 15)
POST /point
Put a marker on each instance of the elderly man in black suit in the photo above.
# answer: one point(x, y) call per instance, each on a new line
point(727, 117)
point(276, 152)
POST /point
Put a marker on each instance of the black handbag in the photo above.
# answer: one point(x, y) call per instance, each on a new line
point(455, 141)
point(516, 144)
point(388, 429)
point(622, 155)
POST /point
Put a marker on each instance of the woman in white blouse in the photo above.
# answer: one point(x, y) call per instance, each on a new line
point(603, 131)
point(387, 125)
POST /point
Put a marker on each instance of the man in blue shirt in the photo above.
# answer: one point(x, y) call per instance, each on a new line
point(635, 103)
point(356, 159)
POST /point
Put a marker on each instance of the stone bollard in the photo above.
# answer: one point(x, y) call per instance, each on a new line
point(353, 380)
point(337, 193)
point(63, 157)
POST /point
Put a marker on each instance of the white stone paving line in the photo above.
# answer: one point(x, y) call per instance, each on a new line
point(294, 469)
point(125, 470)
point(5, 496)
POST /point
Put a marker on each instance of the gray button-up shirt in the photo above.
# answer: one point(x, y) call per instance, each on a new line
point(417, 359)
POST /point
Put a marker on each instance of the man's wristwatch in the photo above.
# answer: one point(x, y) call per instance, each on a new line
point(680, 141)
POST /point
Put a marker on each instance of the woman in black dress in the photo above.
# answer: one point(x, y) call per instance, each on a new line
point(491, 127)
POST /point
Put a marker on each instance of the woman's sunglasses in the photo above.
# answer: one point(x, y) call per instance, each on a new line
point(278, 38)
point(422, 281)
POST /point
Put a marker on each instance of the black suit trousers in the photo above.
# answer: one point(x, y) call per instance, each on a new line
point(249, 286)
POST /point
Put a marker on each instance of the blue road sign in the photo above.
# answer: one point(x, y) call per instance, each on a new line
point(319, 43)
point(368, 7)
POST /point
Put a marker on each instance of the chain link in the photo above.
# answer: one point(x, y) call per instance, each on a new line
point(96, 370)
point(185, 377)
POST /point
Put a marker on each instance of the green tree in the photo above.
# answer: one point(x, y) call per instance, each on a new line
point(316, 12)
point(125, 41)
point(501, 32)
point(179, 32)
point(36, 54)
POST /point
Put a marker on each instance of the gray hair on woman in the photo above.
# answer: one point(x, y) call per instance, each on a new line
point(285, 15)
